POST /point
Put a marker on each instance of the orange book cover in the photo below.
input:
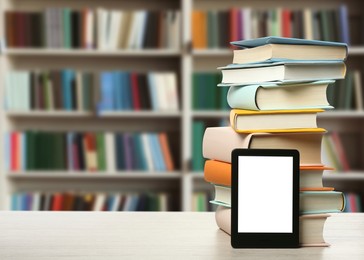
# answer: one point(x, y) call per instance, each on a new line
point(167, 155)
point(199, 30)
point(220, 173)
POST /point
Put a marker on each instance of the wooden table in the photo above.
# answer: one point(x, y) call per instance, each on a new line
point(139, 235)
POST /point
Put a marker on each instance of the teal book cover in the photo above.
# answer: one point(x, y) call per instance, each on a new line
point(282, 40)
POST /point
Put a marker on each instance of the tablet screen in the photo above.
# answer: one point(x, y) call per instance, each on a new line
point(265, 202)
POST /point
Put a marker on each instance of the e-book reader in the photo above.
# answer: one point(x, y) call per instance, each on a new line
point(265, 198)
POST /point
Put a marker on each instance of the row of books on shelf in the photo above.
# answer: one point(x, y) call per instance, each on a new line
point(93, 29)
point(205, 82)
point(74, 90)
point(347, 94)
point(90, 151)
point(138, 91)
point(49, 90)
point(77, 201)
point(217, 28)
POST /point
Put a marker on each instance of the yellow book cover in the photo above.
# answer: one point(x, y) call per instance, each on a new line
point(275, 121)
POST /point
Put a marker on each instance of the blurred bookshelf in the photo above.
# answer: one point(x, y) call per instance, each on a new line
point(182, 125)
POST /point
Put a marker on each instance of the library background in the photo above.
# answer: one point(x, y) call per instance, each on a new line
point(71, 144)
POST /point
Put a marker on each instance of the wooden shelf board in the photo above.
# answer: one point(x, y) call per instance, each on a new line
point(92, 175)
point(140, 114)
point(206, 113)
point(80, 52)
point(344, 176)
point(49, 113)
point(342, 114)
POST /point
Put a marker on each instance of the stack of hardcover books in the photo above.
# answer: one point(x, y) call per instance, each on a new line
point(277, 86)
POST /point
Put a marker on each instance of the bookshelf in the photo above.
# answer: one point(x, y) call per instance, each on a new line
point(184, 61)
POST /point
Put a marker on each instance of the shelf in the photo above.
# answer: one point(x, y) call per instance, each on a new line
point(212, 52)
point(92, 175)
point(45, 113)
point(151, 114)
point(342, 114)
point(344, 176)
point(92, 53)
point(206, 113)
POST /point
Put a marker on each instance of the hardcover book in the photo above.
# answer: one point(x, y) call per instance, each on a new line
point(272, 96)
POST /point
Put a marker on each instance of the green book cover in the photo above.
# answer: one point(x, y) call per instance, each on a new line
point(30, 153)
point(202, 90)
point(222, 94)
point(325, 26)
point(197, 136)
point(211, 91)
point(100, 149)
point(215, 26)
point(67, 34)
point(139, 152)
point(153, 202)
point(195, 91)
point(87, 91)
point(210, 30)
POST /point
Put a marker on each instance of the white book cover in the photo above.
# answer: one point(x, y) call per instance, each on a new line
point(9, 101)
point(163, 201)
point(116, 202)
point(90, 23)
point(172, 91)
point(132, 37)
point(174, 30)
point(26, 89)
point(308, 23)
point(110, 152)
point(128, 202)
point(247, 23)
point(147, 151)
point(142, 25)
point(115, 24)
point(161, 91)
point(102, 35)
point(35, 201)
point(99, 202)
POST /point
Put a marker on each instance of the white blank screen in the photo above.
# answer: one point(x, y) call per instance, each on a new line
point(265, 194)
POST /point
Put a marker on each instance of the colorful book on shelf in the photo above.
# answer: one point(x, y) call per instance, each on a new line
point(311, 226)
point(282, 71)
point(219, 173)
point(281, 121)
point(218, 142)
point(268, 96)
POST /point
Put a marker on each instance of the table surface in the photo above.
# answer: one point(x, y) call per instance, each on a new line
point(158, 235)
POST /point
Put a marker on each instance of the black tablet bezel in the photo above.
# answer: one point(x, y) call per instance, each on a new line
point(264, 240)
